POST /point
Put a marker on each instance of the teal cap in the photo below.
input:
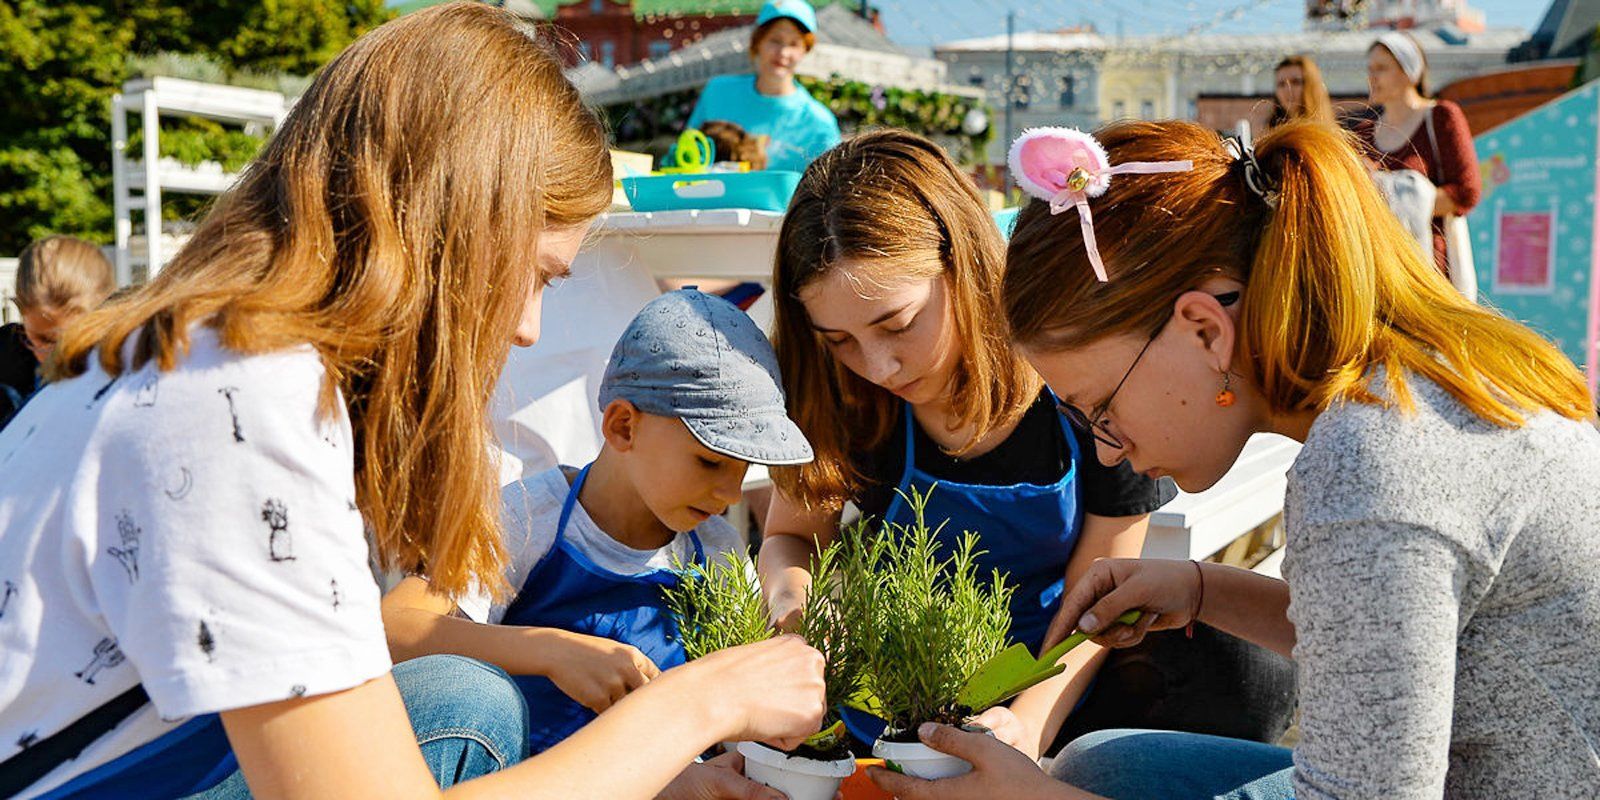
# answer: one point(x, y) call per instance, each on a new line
point(798, 10)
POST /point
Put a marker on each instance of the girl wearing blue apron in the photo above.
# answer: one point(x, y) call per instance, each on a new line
point(567, 590)
point(893, 329)
point(1029, 533)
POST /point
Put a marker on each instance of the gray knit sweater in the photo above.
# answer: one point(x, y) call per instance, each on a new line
point(1445, 590)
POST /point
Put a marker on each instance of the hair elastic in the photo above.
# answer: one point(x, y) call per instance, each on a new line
point(1066, 167)
point(1255, 178)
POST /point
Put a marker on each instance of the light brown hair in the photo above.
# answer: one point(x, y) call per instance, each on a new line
point(896, 199)
point(809, 38)
point(1315, 104)
point(61, 272)
point(734, 143)
point(1334, 287)
point(392, 223)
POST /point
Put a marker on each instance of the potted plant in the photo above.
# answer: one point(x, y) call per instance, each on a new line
point(930, 633)
point(718, 605)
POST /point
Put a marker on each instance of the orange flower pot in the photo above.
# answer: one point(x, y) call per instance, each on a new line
point(860, 787)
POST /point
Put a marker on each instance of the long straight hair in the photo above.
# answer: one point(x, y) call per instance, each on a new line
point(1315, 104)
point(896, 199)
point(392, 223)
point(1333, 285)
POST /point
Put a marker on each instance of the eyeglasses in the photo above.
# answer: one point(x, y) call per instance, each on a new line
point(1098, 426)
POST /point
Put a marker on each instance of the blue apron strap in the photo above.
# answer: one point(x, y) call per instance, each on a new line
point(699, 551)
point(898, 501)
point(1053, 592)
point(572, 500)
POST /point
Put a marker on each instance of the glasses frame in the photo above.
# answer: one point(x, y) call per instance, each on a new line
point(1097, 425)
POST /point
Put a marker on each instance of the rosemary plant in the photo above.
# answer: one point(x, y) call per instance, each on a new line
point(922, 621)
point(717, 605)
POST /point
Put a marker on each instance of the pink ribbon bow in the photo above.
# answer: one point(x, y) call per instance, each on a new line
point(1067, 167)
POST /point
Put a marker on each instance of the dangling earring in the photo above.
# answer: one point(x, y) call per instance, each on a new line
point(1225, 397)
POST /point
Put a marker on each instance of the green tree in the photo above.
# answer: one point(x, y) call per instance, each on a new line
point(61, 61)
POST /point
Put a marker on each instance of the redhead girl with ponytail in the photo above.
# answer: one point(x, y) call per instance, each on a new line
point(1442, 600)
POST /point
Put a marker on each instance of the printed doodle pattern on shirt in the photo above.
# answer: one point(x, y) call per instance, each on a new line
point(11, 591)
point(106, 656)
point(185, 484)
point(207, 642)
point(276, 515)
point(101, 392)
point(233, 411)
point(128, 553)
point(145, 396)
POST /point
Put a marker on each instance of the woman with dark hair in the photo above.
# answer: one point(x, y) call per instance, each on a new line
point(1416, 132)
point(1299, 92)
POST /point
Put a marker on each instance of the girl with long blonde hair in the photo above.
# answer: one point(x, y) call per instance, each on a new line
point(186, 580)
point(887, 328)
point(1298, 92)
point(1442, 592)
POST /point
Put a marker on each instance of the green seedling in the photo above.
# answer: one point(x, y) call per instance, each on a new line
point(1015, 670)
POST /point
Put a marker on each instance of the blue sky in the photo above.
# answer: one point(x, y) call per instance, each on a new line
point(921, 22)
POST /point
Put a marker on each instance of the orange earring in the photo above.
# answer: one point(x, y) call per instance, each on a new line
point(1225, 397)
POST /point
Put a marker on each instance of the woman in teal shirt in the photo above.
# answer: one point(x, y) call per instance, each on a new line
point(770, 103)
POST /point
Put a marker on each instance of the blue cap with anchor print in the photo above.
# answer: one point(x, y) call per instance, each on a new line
point(697, 357)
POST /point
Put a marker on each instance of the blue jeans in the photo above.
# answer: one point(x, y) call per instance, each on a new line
point(1158, 765)
point(468, 716)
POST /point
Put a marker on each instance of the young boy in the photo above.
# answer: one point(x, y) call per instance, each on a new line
point(691, 397)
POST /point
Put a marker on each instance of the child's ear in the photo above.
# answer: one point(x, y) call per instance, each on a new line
point(620, 425)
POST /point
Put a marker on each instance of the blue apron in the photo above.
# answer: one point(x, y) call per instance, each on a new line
point(566, 590)
point(190, 758)
point(1028, 532)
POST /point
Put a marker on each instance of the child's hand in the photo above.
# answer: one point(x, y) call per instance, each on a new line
point(1007, 728)
point(598, 672)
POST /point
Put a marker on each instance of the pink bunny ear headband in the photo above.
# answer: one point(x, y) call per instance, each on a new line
point(1067, 167)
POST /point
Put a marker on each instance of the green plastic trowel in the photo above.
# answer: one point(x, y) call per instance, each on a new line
point(1014, 670)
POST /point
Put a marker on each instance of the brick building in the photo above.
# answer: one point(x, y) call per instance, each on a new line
point(618, 33)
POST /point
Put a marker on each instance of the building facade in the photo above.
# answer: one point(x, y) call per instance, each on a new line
point(1152, 77)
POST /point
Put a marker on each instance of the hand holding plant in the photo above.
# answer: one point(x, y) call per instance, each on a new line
point(998, 770)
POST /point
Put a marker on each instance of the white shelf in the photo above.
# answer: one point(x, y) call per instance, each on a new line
point(184, 98)
point(172, 176)
point(137, 188)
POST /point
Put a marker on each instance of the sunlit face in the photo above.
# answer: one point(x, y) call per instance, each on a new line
point(1290, 88)
point(557, 248)
point(680, 480)
point(42, 327)
point(1165, 413)
point(1386, 81)
point(780, 49)
point(898, 335)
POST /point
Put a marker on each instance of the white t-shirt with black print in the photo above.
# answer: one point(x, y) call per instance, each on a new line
point(192, 530)
point(530, 510)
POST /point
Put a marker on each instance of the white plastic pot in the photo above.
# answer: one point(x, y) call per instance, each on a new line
point(799, 778)
point(919, 760)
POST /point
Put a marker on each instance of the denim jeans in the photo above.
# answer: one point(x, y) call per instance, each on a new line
point(469, 718)
point(1162, 765)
